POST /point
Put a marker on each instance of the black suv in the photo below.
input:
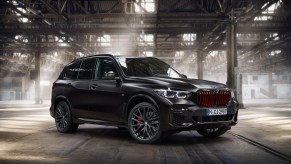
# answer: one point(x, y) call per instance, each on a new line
point(143, 94)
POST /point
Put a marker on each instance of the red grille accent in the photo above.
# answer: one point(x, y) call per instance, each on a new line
point(207, 98)
point(223, 98)
point(212, 98)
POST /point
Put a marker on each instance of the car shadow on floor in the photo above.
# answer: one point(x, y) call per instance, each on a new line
point(122, 135)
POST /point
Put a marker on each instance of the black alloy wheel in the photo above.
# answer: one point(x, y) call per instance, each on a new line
point(144, 123)
point(63, 118)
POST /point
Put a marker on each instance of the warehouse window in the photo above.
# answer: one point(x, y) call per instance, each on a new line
point(62, 44)
point(104, 40)
point(213, 53)
point(80, 54)
point(272, 8)
point(274, 36)
point(142, 6)
point(148, 53)
point(189, 38)
point(262, 18)
point(269, 10)
point(273, 53)
point(146, 39)
point(179, 54)
point(23, 20)
point(21, 38)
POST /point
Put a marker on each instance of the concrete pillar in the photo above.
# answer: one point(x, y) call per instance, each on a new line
point(37, 76)
point(24, 88)
point(200, 65)
point(233, 80)
point(231, 56)
point(239, 94)
point(156, 45)
point(270, 87)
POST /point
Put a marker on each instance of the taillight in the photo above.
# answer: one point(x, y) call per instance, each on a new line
point(54, 85)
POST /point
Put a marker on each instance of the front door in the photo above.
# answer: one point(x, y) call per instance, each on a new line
point(106, 100)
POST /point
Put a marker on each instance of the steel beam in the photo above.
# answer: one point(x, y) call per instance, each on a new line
point(51, 8)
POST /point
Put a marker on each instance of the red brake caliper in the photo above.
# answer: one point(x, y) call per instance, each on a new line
point(139, 120)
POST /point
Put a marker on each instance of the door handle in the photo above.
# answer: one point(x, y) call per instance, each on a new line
point(94, 86)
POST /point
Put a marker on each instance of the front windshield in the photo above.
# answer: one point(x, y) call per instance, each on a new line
point(147, 67)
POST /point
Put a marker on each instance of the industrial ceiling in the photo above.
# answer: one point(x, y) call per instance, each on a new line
point(181, 32)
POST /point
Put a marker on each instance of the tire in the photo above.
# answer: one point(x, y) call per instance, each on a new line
point(144, 123)
point(212, 133)
point(63, 118)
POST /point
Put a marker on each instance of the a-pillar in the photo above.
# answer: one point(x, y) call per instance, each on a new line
point(37, 77)
point(200, 65)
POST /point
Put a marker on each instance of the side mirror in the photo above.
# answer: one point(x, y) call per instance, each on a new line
point(118, 80)
point(110, 75)
point(185, 76)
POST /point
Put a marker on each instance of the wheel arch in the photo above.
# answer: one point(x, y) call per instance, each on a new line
point(59, 99)
point(136, 99)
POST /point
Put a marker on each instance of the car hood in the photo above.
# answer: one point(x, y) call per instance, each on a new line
point(184, 84)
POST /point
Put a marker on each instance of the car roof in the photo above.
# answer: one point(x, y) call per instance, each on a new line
point(109, 55)
point(114, 56)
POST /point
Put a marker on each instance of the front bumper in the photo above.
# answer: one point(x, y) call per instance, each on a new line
point(181, 117)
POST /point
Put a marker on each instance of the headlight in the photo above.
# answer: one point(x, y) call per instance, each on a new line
point(173, 94)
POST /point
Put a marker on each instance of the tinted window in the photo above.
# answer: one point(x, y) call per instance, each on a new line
point(71, 71)
point(86, 69)
point(103, 66)
point(147, 67)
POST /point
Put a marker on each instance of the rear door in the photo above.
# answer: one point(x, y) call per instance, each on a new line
point(78, 90)
point(69, 76)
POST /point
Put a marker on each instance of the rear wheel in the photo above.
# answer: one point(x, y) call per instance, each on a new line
point(212, 133)
point(144, 123)
point(63, 118)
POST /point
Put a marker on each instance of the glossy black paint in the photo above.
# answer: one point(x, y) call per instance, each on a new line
point(109, 101)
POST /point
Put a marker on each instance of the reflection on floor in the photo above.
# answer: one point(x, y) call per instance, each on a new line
point(28, 135)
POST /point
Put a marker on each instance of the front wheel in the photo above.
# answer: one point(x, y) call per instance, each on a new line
point(212, 133)
point(63, 118)
point(144, 123)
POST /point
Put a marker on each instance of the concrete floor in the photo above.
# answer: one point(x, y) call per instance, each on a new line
point(28, 135)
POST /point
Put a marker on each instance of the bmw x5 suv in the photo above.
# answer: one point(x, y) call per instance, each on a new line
point(143, 94)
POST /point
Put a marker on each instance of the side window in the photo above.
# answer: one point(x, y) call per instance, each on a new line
point(141, 68)
point(86, 69)
point(103, 67)
point(71, 71)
